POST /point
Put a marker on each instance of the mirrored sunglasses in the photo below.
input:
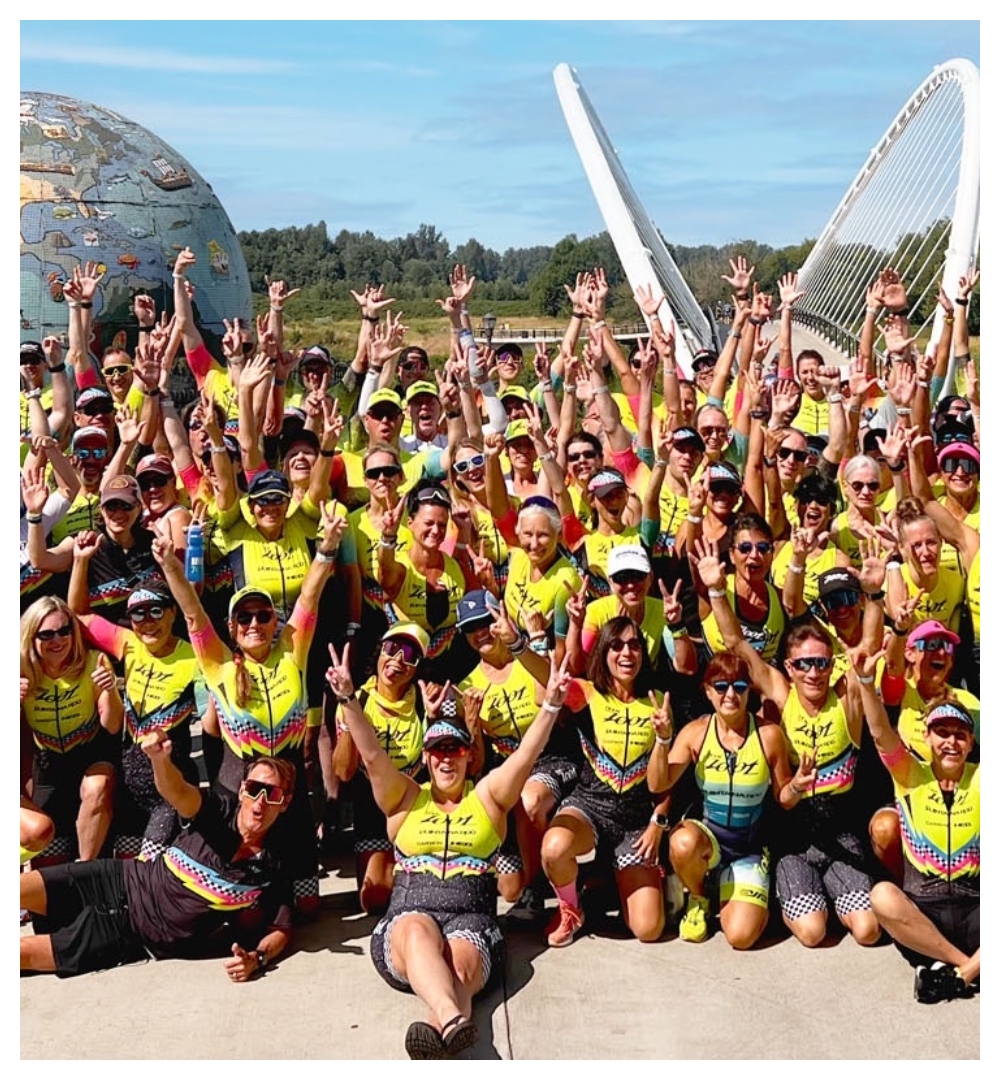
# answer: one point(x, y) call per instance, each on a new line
point(273, 793)
point(721, 686)
point(967, 465)
point(842, 598)
point(141, 614)
point(934, 645)
point(763, 547)
point(405, 651)
point(97, 453)
point(807, 663)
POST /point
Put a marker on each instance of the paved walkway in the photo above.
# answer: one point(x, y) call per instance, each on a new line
point(603, 997)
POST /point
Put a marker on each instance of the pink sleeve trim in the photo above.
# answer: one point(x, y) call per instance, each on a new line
point(191, 479)
point(207, 643)
point(107, 636)
point(201, 362)
point(896, 757)
point(626, 462)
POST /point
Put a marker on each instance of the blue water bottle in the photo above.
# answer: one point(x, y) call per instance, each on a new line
point(194, 556)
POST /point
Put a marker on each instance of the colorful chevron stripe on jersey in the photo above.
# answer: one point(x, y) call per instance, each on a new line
point(179, 711)
point(209, 884)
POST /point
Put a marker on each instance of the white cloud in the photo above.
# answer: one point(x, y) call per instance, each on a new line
point(148, 59)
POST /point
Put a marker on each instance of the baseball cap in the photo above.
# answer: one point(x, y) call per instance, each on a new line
point(246, 593)
point(833, 581)
point(476, 606)
point(627, 557)
point(151, 593)
point(89, 432)
point(946, 711)
point(817, 443)
point(293, 435)
point(158, 463)
point(931, 629)
point(32, 352)
point(121, 489)
point(421, 387)
point(409, 630)
point(604, 482)
point(316, 354)
point(517, 429)
point(721, 472)
point(385, 397)
point(688, 434)
point(516, 392)
point(704, 358)
point(442, 731)
point(91, 394)
point(955, 440)
point(270, 482)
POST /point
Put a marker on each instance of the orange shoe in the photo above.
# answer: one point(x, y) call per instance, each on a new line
point(568, 921)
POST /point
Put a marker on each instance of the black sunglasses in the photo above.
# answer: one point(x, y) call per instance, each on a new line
point(721, 686)
point(628, 577)
point(584, 455)
point(382, 472)
point(62, 631)
point(116, 506)
point(390, 412)
point(857, 486)
point(272, 499)
point(273, 794)
point(151, 480)
point(633, 644)
point(98, 408)
point(764, 547)
point(263, 617)
point(722, 488)
point(786, 452)
point(969, 466)
point(842, 598)
point(807, 663)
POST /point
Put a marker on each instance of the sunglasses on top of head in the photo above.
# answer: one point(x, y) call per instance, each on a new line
point(382, 472)
point(60, 631)
point(807, 663)
point(762, 547)
point(433, 495)
point(273, 794)
point(477, 461)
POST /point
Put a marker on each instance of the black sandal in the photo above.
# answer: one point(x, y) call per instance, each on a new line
point(423, 1042)
point(458, 1035)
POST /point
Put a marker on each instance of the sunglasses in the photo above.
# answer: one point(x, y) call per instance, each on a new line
point(786, 452)
point(414, 365)
point(153, 480)
point(389, 413)
point(967, 465)
point(116, 369)
point(433, 495)
point(724, 489)
point(262, 616)
point(807, 663)
point(274, 794)
point(404, 651)
point(116, 506)
point(270, 500)
point(194, 425)
point(479, 624)
point(582, 455)
point(721, 686)
point(62, 631)
point(688, 446)
point(763, 547)
point(628, 577)
point(509, 358)
point(926, 645)
point(842, 598)
point(477, 461)
point(620, 644)
point(448, 749)
point(705, 432)
point(141, 614)
point(857, 486)
point(382, 472)
point(98, 408)
point(97, 454)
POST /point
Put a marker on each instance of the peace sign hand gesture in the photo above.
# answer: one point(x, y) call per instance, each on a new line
point(661, 718)
point(333, 526)
point(673, 609)
point(576, 605)
point(338, 674)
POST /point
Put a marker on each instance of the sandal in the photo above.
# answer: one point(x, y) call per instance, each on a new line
point(423, 1042)
point(458, 1035)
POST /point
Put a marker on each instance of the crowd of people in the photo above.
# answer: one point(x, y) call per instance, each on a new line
point(722, 631)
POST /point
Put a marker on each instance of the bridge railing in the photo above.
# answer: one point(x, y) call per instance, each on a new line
point(520, 335)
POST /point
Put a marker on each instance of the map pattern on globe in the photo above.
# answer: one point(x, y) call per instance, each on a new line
point(96, 186)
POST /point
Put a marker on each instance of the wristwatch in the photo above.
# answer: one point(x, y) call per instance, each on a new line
point(261, 959)
point(661, 821)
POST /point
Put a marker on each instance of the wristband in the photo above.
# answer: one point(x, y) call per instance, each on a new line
point(326, 556)
point(742, 296)
point(261, 959)
point(155, 392)
point(540, 646)
point(147, 329)
point(896, 468)
point(871, 310)
point(579, 314)
point(949, 319)
point(455, 331)
point(463, 310)
point(796, 569)
point(454, 414)
point(569, 388)
point(754, 321)
point(345, 699)
point(661, 462)
point(352, 629)
point(387, 542)
point(177, 277)
point(547, 456)
point(599, 325)
point(73, 303)
point(770, 462)
point(795, 789)
point(923, 385)
point(33, 519)
point(30, 395)
point(880, 595)
point(866, 680)
point(459, 546)
point(962, 302)
point(693, 519)
point(280, 382)
point(600, 390)
point(85, 304)
point(517, 647)
point(834, 398)
point(57, 368)
point(545, 385)
point(327, 453)
point(717, 594)
point(660, 742)
point(854, 408)
point(902, 410)
point(678, 632)
point(551, 708)
point(654, 316)
point(276, 310)
point(759, 414)
point(166, 401)
point(219, 449)
point(900, 633)
point(370, 318)
point(736, 335)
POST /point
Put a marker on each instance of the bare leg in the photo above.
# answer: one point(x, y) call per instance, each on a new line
point(94, 820)
point(33, 895)
point(863, 925)
point(690, 854)
point(641, 890)
point(742, 923)
point(883, 830)
point(464, 959)
point(36, 953)
point(908, 925)
point(567, 837)
point(531, 816)
point(809, 929)
point(418, 953)
point(375, 881)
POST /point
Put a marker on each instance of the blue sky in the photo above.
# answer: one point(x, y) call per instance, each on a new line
point(727, 130)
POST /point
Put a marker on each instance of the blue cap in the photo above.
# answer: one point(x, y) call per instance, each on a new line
point(270, 482)
point(476, 606)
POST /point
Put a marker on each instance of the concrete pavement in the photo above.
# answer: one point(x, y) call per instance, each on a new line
point(603, 997)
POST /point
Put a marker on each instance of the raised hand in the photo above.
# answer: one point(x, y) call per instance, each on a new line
point(559, 683)
point(761, 305)
point(86, 544)
point(338, 674)
point(576, 605)
point(806, 774)
point(156, 744)
point(788, 290)
point(872, 576)
point(895, 330)
point(256, 370)
point(461, 283)
point(859, 381)
point(333, 526)
point(905, 613)
point(434, 696)
point(382, 348)
point(542, 363)
point(828, 378)
point(127, 422)
point(785, 397)
point(661, 718)
point(967, 283)
point(34, 490)
point(52, 347)
point(673, 609)
point(503, 630)
point(163, 553)
point(647, 300)
point(709, 565)
point(392, 517)
point(373, 300)
point(741, 274)
point(333, 422)
point(902, 386)
point(893, 446)
point(184, 261)
point(893, 292)
point(144, 309)
point(103, 677)
point(647, 361)
point(697, 495)
point(472, 707)
point(86, 280)
point(578, 294)
point(486, 575)
point(278, 293)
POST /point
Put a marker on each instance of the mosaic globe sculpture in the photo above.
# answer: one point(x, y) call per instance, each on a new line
point(95, 186)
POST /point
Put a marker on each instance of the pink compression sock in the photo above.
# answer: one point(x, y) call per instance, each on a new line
point(567, 894)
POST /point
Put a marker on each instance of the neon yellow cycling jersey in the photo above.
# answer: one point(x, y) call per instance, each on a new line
point(62, 713)
point(509, 708)
point(764, 636)
point(813, 417)
point(547, 595)
point(399, 730)
point(913, 709)
point(434, 609)
point(733, 783)
point(459, 843)
point(825, 560)
point(827, 737)
point(366, 540)
point(972, 595)
point(596, 548)
point(943, 602)
point(84, 513)
point(617, 739)
point(604, 610)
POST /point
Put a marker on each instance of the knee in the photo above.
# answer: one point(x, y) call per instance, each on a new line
point(510, 887)
point(468, 968)
point(810, 930)
point(536, 806)
point(37, 832)
point(883, 830)
point(864, 927)
point(685, 843)
point(648, 928)
point(745, 934)
point(96, 791)
point(884, 896)
point(555, 846)
point(374, 898)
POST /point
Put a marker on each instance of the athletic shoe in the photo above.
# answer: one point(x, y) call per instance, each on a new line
point(939, 983)
point(694, 925)
point(564, 927)
point(529, 908)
